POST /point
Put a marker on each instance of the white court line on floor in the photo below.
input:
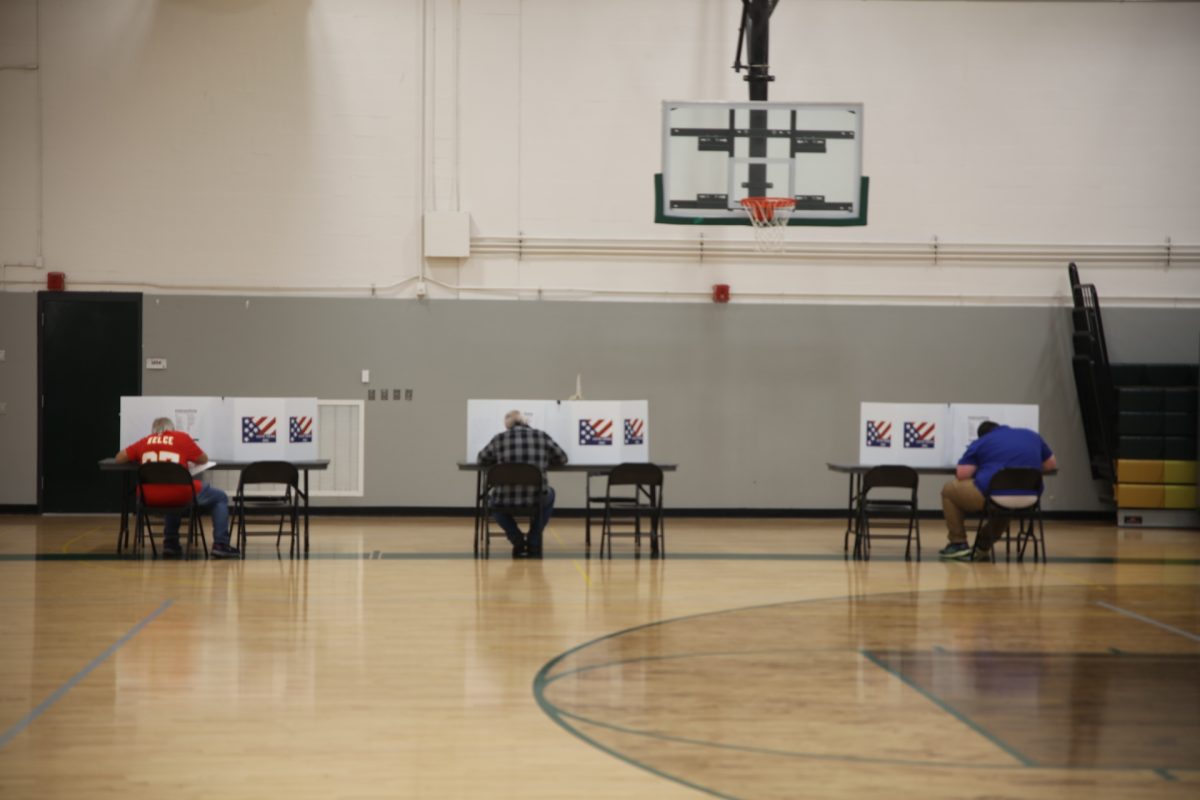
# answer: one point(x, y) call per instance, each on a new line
point(1148, 620)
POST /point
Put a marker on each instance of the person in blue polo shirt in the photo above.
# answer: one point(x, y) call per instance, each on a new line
point(996, 447)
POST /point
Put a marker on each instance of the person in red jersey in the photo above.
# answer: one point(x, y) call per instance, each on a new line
point(167, 444)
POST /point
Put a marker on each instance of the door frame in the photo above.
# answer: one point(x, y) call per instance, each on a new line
point(44, 297)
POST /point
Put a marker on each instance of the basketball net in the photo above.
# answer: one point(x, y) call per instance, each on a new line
point(769, 216)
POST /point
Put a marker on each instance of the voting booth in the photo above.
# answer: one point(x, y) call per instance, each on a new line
point(589, 431)
point(930, 434)
point(231, 428)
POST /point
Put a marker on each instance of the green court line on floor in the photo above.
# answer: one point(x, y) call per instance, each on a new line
point(75, 679)
point(567, 555)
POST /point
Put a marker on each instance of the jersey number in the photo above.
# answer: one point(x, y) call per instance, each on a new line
point(160, 455)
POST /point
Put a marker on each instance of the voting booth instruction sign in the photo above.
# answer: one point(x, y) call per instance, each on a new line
point(589, 431)
point(930, 434)
point(231, 428)
point(965, 419)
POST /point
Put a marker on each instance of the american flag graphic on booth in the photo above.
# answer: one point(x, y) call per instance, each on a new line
point(595, 431)
point(919, 435)
point(879, 433)
point(258, 430)
point(300, 430)
point(635, 431)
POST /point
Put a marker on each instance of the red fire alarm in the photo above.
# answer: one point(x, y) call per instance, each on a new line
point(56, 281)
point(720, 292)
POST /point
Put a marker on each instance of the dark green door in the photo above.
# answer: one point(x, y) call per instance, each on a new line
point(89, 355)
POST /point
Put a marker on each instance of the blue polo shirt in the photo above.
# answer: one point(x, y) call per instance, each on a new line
point(1004, 447)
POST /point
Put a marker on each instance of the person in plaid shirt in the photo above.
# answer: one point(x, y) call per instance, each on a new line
point(521, 444)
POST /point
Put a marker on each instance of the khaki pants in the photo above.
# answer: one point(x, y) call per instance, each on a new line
point(960, 498)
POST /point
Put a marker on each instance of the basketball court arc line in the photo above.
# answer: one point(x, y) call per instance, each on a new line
point(71, 682)
point(542, 682)
point(557, 716)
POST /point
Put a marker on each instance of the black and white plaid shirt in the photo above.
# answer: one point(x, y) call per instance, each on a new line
point(521, 444)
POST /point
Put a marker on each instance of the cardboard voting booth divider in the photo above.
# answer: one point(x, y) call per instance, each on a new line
point(930, 434)
point(589, 431)
point(231, 428)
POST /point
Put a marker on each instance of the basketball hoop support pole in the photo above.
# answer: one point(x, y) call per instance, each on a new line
point(756, 30)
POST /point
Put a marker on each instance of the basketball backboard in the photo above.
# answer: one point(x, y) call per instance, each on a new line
point(717, 153)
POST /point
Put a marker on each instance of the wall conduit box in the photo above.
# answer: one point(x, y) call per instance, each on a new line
point(447, 234)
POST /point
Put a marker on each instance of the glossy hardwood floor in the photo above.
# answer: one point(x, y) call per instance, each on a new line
point(753, 661)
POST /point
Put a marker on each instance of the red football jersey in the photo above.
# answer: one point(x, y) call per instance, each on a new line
point(175, 446)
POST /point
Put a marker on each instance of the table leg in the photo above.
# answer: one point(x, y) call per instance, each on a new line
point(478, 506)
point(587, 511)
point(306, 513)
point(854, 484)
point(123, 533)
point(655, 519)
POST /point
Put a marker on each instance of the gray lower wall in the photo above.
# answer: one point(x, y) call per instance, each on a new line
point(750, 401)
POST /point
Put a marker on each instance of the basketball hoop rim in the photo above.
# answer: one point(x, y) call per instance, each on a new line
point(768, 211)
point(767, 202)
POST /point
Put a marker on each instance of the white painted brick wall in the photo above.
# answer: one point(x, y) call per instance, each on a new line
point(282, 144)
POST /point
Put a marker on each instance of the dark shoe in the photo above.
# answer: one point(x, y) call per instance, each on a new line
point(225, 551)
point(956, 550)
point(172, 552)
point(520, 551)
point(982, 555)
point(534, 552)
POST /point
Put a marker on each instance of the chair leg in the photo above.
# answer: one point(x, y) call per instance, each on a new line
point(606, 531)
point(150, 535)
point(1042, 537)
point(240, 512)
point(658, 544)
point(860, 535)
point(978, 534)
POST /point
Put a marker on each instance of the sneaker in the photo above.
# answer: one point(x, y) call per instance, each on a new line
point(225, 551)
point(982, 555)
point(172, 552)
point(956, 550)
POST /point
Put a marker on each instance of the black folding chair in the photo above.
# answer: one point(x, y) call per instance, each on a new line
point(281, 507)
point(888, 511)
point(1023, 504)
point(514, 476)
point(163, 474)
point(644, 482)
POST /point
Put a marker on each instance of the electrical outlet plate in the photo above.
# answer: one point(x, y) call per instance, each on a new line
point(370, 394)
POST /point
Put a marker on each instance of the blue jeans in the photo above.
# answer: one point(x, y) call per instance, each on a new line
point(536, 526)
point(209, 499)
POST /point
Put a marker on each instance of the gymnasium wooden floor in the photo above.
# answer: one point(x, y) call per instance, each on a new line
point(752, 662)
